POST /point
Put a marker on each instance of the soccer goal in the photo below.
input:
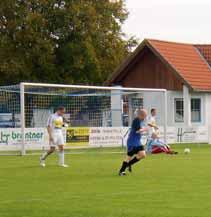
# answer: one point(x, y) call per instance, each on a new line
point(96, 116)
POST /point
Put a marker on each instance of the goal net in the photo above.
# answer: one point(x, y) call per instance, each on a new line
point(96, 116)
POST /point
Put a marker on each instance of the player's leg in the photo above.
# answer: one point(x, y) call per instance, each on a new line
point(163, 149)
point(170, 151)
point(158, 149)
point(61, 156)
point(141, 154)
point(130, 166)
point(125, 163)
point(124, 166)
point(60, 144)
point(46, 154)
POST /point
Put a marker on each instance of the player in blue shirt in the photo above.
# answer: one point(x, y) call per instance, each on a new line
point(135, 150)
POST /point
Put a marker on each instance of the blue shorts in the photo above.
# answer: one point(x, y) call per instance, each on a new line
point(134, 150)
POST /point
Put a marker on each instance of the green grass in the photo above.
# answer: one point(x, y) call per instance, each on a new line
point(160, 186)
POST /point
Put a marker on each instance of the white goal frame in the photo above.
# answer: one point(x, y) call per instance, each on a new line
point(115, 88)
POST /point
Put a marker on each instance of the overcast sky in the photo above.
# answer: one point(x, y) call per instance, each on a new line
point(174, 20)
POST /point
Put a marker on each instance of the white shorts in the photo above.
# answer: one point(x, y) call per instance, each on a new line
point(58, 139)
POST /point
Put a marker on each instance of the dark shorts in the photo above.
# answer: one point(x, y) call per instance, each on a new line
point(135, 150)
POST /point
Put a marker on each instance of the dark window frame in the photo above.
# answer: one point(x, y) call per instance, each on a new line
point(179, 111)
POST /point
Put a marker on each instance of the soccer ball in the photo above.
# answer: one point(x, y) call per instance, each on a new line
point(187, 151)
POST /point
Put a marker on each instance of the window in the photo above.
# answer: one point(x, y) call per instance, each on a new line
point(196, 110)
point(137, 103)
point(179, 110)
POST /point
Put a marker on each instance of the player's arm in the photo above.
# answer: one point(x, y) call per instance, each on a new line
point(137, 127)
point(143, 129)
point(153, 126)
point(49, 129)
point(49, 133)
point(150, 124)
point(66, 123)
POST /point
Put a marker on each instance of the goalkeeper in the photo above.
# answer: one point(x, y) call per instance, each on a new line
point(156, 146)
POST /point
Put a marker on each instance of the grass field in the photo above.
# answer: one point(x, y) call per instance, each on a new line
point(160, 186)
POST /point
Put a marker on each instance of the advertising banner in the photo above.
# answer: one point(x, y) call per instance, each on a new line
point(192, 135)
point(186, 134)
point(77, 136)
point(107, 136)
point(12, 138)
point(37, 138)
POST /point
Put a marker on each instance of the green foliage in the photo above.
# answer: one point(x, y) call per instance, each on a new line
point(70, 41)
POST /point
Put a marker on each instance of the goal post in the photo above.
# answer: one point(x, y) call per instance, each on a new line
point(22, 120)
point(95, 113)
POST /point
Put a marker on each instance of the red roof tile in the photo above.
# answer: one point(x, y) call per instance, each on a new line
point(205, 50)
point(188, 60)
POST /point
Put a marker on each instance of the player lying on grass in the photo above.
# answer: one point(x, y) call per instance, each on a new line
point(135, 150)
point(56, 138)
point(156, 146)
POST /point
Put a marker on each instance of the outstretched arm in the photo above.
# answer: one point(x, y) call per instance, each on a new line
point(153, 125)
point(142, 130)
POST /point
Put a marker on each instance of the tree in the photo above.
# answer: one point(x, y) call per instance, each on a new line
point(72, 41)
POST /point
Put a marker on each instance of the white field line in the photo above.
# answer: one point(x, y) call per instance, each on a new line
point(84, 152)
point(67, 153)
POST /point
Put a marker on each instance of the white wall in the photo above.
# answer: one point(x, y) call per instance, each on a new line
point(155, 100)
point(208, 109)
point(179, 94)
point(116, 108)
point(150, 100)
point(183, 132)
point(208, 114)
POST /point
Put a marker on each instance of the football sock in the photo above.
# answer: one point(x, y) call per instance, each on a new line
point(61, 157)
point(133, 161)
point(124, 166)
point(45, 155)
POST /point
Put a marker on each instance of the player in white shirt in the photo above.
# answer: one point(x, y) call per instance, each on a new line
point(152, 123)
point(56, 138)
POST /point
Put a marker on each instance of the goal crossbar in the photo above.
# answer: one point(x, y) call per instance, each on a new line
point(92, 87)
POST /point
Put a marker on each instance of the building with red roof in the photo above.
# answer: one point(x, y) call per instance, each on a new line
point(184, 70)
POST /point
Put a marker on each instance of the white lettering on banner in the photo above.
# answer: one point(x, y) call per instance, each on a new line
point(13, 137)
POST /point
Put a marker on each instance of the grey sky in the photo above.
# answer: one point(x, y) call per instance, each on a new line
point(174, 20)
